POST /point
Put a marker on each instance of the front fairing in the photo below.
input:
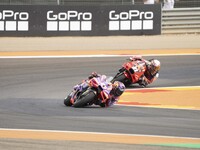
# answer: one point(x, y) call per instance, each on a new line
point(134, 70)
point(102, 87)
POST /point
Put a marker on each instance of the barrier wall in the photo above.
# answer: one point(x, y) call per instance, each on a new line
point(28, 20)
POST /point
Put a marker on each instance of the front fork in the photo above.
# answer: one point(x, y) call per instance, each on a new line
point(127, 74)
point(122, 70)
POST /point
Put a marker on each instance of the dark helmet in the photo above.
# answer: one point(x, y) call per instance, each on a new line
point(118, 88)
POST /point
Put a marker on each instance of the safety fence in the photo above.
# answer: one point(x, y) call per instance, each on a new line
point(181, 20)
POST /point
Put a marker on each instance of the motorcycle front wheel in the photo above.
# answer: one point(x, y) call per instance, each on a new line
point(88, 97)
point(67, 101)
point(122, 78)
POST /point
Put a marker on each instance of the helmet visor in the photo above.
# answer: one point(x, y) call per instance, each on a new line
point(154, 69)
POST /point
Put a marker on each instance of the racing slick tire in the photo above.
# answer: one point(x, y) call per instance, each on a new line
point(87, 98)
point(122, 78)
point(67, 101)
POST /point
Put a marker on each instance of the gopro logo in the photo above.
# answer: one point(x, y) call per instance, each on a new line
point(69, 21)
point(14, 21)
point(131, 20)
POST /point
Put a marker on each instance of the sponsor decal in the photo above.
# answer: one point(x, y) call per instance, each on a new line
point(14, 21)
point(131, 20)
point(69, 21)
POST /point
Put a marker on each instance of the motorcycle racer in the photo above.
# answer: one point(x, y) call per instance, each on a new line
point(152, 71)
point(117, 90)
point(114, 90)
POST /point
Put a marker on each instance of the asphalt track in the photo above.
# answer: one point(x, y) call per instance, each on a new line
point(32, 92)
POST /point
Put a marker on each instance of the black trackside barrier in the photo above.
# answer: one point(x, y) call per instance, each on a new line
point(29, 20)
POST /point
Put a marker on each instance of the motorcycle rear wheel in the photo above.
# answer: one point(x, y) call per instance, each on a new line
point(84, 100)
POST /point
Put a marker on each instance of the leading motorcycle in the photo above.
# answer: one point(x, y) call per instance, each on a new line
point(96, 92)
point(131, 72)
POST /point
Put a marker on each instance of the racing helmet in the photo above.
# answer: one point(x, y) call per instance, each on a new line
point(154, 66)
point(118, 88)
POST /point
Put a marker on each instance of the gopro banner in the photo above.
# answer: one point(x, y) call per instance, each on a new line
point(28, 20)
point(69, 21)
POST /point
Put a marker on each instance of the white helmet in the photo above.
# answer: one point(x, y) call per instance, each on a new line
point(154, 66)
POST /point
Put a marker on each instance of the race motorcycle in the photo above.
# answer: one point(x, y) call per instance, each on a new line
point(96, 93)
point(131, 72)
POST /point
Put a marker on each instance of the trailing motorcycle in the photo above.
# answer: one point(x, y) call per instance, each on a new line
point(95, 92)
point(131, 72)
